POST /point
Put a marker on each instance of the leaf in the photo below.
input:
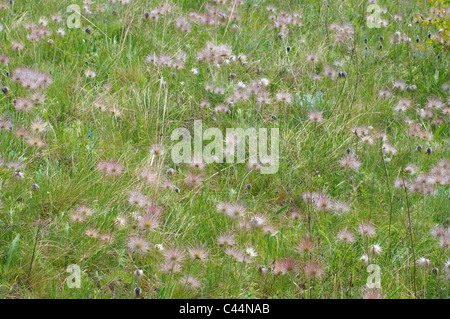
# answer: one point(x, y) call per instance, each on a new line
point(436, 76)
point(441, 129)
point(12, 250)
point(282, 209)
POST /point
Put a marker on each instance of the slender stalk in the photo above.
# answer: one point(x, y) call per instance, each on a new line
point(410, 236)
point(390, 199)
point(34, 250)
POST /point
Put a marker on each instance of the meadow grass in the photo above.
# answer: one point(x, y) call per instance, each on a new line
point(129, 105)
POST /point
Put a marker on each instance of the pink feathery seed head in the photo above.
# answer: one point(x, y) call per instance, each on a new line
point(425, 114)
point(153, 208)
point(306, 246)
point(258, 221)
point(190, 282)
point(17, 46)
point(219, 90)
point(309, 197)
point(314, 270)
point(56, 18)
point(247, 256)
point(5, 125)
point(37, 98)
point(296, 215)
point(101, 105)
point(167, 185)
point(38, 126)
point(138, 245)
point(107, 238)
point(174, 255)
point(198, 163)
point(315, 117)
point(77, 217)
point(150, 176)
point(340, 208)
point(223, 207)
point(244, 225)
point(346, 236)
point(148, 222)
point(264, 98)
point(425, 135)
point(401, 183)
point(350, 162)
point(170, 171)
point(312, 58)
point(414, 129)
point(284, 97)
point(422, 179)
point(372, 294)
point(233, 253)
point(444, 164)
point(157, 150)
point(23, 104)
point(39, 33)
point(198, 253)
point(235, 210)
point(388, 149)
point(366, 229)
point(375, 249)
point(384, 93)
point(205, 104)
point(360, 131)
point(289, 264)
point(381, 136)
point(151, 59)
point(404, 102)
point(434, 102)
point(183, 25)
point(21, 132)
point(444, 242)
point(90, 74)
point(410, 169)
point(438, 179)
point(4, 59)
point(193, 180)
point(428, 190)
point(35, 141)
point(115, 110)
point(111, 168)
point(415, 187)
point(269, 230)
point(164, 60)
point(84, 210)
point(279, 269)
point(120, 221)
point(171, 267)
point(153, 15)
point(181, 56)
point(322, 202)
point(399, 85)
point(226, 239)
point(330, 72)
point(440, 231)
point(137, 198)
point(423, 262)
point(91, 233)
point(15, 165)
point(439, 170)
